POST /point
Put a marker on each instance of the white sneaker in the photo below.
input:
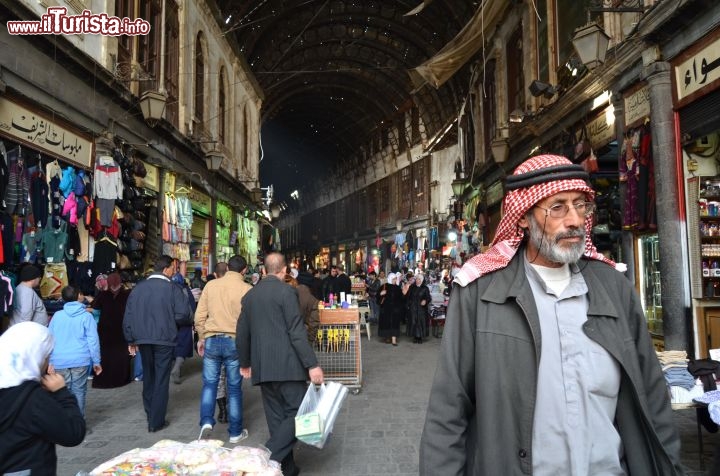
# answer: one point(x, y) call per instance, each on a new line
point(203, 429)
point(239, 438)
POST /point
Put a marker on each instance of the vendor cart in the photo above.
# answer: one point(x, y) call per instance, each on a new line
point(338, 347)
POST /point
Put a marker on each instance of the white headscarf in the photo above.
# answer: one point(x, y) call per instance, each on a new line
point(390, 278)
point(24, 349)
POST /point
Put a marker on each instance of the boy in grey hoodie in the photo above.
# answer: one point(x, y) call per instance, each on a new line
point(76, 344)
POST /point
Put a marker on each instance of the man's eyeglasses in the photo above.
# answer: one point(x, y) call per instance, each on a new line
point(560, 210)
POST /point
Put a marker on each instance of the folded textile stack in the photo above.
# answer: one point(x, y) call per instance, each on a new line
point(674, 365)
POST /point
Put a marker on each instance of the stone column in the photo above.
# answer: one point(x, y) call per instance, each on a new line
point(673, 278)
point(627, 244)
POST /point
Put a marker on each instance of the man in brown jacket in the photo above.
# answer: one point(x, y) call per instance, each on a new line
point(215, 321)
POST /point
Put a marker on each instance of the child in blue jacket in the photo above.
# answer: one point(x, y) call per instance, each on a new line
point(76, 344)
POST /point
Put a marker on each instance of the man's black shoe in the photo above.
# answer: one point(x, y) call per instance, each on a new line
point(161, 427)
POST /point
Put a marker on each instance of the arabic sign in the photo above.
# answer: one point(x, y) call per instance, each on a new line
point(37, 131)
point(199, 201)
point(151, 180)
point(169, 182)
point(600, 130)
point(494, 193)
point(637, 106)
point(698, 71)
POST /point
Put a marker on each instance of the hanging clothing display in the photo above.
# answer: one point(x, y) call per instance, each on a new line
point(108, 179)
point(637, 171)
point(17, 195)
point(177, 225)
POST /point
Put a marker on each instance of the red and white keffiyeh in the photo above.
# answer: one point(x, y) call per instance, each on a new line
point(516, 204)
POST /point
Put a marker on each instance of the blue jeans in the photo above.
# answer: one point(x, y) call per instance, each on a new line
point(76, 382)
point(137, 367)
point(220, 351)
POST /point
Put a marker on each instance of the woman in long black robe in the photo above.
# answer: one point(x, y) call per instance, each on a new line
point(418, 301)
point(114, 354)
point(391, 309)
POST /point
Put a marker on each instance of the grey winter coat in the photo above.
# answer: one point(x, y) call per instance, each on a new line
point(480, 414)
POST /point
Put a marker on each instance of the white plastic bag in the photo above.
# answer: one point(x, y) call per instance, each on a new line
point(317, 413)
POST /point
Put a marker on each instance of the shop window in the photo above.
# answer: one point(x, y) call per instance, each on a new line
point(199, 79)
point(246, 138)
point(340, 216)
point(568, 17)
point(372, 201)
point(149, 45)
point(543, 47)
point(222, 113)
point(515, 79)
point(384, 199)
point(384, 138)
point(404, 191)
point(414, 126)
point(361, 201)
point(125, 9)
point(402, 137)
point(489, 106)
point(172, 62)
point(419, 187)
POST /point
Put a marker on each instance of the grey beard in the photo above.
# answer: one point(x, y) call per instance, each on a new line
point(549, 248)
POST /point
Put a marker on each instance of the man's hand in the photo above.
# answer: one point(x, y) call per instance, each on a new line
point(246, 372)
point(52, 382)
point(132, 349)
point(316, 375)
point(98, 369)
point(201, 347)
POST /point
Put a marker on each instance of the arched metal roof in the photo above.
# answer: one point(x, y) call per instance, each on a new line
point(333, 70)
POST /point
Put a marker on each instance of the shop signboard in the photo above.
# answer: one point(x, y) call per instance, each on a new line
point(698, 71)
point(637, 106)
point(151, 179)
point(200, 202)
point(600, 130)
point(41, 133)
point(169, 182)
point(494, 193)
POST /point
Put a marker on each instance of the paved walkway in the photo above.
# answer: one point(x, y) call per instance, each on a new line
point(377, 432)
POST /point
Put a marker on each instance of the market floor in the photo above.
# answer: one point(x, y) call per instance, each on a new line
point(376, 433)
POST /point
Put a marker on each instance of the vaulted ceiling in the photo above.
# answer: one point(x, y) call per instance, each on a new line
point(332, 71)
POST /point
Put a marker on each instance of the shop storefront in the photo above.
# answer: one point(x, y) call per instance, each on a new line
point(248, 235)
point(200, 231)
point(225, 245)
point(322, 259)
point(75, 207)
point(697, 100)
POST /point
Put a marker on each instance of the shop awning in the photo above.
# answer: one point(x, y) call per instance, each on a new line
point(460, 49)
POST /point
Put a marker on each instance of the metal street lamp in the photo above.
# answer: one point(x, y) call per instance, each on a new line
point(214, 159)
point(152, 105)
point(458, 185)
point(591, 44)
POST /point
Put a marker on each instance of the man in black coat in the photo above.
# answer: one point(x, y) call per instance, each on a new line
point(155, 309)
point(343, 283)
point(274, 352)
point(329, 284)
